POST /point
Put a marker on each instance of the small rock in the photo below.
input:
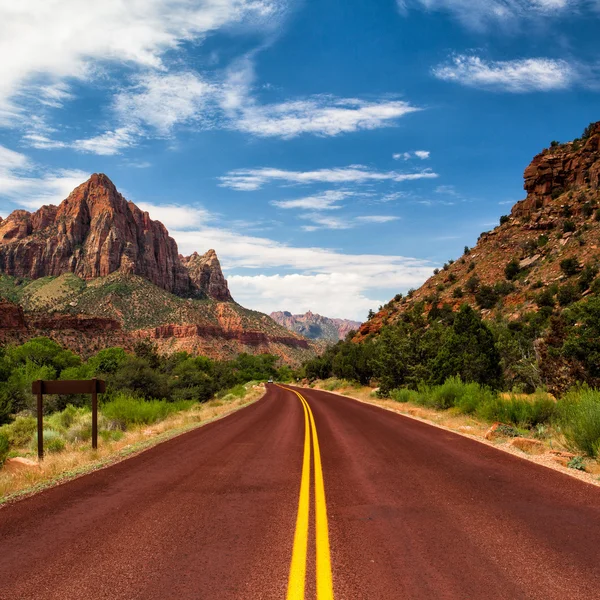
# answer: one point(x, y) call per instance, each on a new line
point(19, 463)
point(490, 434)
point(527, 262)
point(528, 445)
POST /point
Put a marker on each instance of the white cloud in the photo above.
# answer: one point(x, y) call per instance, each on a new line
point(327, 200)
point(163, 100)
point(320, 115)
point(525, 75)
point(377, 219)
point(48, 42)
point(20, 185)
point(483, 13)
point(254, 179)
point(109, 143)
point(177, 217)
point(321, 221)
point(422, 154)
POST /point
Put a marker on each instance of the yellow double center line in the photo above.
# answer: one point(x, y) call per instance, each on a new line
point(297, 578)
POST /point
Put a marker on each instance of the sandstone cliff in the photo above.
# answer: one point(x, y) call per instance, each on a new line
point(95, 232)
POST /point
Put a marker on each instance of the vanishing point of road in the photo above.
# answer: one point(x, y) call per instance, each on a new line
point(306, 495)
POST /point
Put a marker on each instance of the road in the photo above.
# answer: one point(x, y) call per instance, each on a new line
point(313, 491)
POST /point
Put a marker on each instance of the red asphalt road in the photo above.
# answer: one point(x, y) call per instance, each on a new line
point(415, 512)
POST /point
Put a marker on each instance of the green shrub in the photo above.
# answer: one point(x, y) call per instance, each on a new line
point(504, 219)
point(403, 395)
point(567, 294)
point(517, 411)
point(512, 269)
point(579, 418)
point(569, 266)
point(569, 226)
point(21, 431)
point(576, 463)
point(4, 447)
point(125, 411)
point(53, 441)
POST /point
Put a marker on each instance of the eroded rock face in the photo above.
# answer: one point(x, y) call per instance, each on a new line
point(568, 166)
point(11, 316)
point(95, 232)
point(206, 275)
point(315, 326)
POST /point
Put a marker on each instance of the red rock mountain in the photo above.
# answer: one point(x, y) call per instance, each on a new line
point(316, 327)
point(95, 232)
point(96, 271)
point(558, 221)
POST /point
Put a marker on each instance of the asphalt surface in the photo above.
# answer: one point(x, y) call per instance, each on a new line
point(410, 512)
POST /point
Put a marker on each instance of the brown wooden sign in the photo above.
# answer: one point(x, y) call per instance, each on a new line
point(69, 387)
point(76, 386)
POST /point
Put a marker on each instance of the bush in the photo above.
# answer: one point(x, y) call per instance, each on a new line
point(567, 294)
point(569, 266)
point(457, 292)
point(579, 417)
point(517, 411)
point(53, 441)
point(512, 269)
point(504, 219)
point(486, 297)
point(403, 395)
point(124, 410)
point(21, 431)
point(569, 226)
point(542, 240)
point(4, 447)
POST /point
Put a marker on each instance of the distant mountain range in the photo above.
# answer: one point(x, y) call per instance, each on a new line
point(316, 327)
point(97, 271)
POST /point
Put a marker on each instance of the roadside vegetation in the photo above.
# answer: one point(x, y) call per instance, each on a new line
point(454, 361)
point(147, 394)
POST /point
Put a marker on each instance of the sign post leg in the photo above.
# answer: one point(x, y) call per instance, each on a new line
point(95, 414)
point(40, 421)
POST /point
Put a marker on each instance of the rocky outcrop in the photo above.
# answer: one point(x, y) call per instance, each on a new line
point(82, 324)
point(95, 232)
point(249, 338)
point(206, 275)
point(11, 316)
point(561, 167)
point(316, 327)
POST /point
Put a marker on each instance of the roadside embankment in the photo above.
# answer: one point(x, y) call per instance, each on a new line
point(127, 426)
point(533, 426)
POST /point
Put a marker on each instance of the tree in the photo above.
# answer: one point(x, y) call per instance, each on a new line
point(468, 351)
point(582, 341)
point(569, 266)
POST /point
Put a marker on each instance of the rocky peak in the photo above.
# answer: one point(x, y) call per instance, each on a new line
point(95, 232)
point(314, 326)
point(206, 275)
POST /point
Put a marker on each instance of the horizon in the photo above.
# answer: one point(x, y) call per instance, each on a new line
point(340, 147)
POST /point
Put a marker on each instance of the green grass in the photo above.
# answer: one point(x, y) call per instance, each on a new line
point(124, 411)
point(579, 418)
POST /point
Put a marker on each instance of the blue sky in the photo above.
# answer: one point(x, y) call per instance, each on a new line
point(333, 152)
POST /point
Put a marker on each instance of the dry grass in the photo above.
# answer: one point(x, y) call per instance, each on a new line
point(79, 458)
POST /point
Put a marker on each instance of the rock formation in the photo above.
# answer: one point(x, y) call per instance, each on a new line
point(95, 232)
point(316, 327)
point(206, 275)
point(558, 220)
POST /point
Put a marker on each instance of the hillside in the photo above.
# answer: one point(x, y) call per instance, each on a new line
point(96, 271)
point(545, 253)
point(316, 327)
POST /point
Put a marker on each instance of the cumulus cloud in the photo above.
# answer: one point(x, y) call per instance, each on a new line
point(47, 43)
point(254, 179)
point(20, 184)
point(517, 76)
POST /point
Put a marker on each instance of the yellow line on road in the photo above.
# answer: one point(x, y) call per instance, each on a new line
point(298, 566)
point(296, 581)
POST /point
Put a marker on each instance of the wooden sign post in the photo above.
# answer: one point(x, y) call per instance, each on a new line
point(90, 386)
